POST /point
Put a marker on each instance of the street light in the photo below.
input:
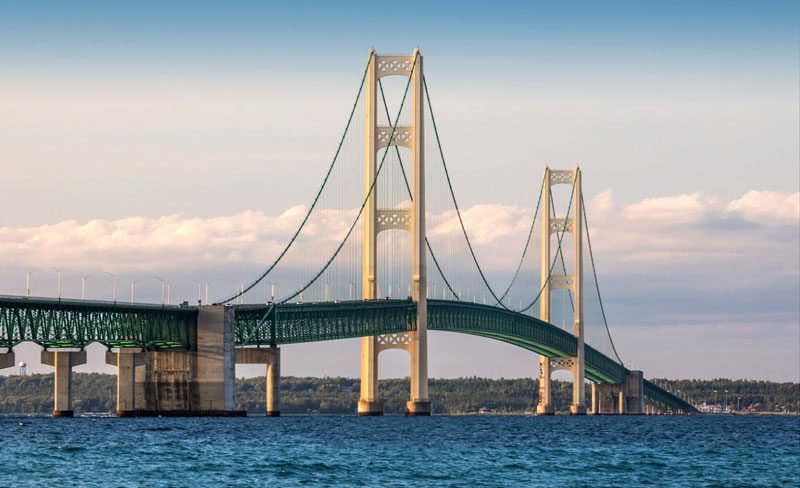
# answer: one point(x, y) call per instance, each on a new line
point(207, 283)
point(28, 281)
point(115, 284)
point(163, 284)
point(737, 403)
point(132, 283)
point(726, 401)
point(351, 289)
point(199, 295)
point(715, 399)
point(83, 286)
point(59, 280)
point(169, 293)
point(272, 290)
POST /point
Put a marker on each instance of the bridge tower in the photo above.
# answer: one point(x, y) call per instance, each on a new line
point(379, 219)
point(552, 282)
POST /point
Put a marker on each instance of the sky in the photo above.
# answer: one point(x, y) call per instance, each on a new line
point(182, 139)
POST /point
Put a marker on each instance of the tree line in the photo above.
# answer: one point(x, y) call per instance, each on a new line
point(95, 392)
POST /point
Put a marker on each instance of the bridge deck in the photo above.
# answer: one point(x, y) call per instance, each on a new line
point(76, 323)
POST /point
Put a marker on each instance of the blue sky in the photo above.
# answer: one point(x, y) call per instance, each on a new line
point(110, 111)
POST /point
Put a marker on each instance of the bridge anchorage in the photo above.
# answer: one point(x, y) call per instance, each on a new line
point(180, 360)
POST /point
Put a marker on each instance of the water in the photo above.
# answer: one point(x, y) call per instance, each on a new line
point(722, 450)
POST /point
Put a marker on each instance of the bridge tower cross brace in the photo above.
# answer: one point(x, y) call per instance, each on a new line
point(573, 282)
point(375, 220)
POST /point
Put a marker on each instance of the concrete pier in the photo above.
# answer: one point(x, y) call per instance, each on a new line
point(624, 399)
point(634, 393)
point(7, 359)
point(197, 382)
point(63, 361)
point(126, 361)
point(272, 359)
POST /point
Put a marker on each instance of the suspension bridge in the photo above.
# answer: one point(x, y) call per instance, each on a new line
point(382, 253)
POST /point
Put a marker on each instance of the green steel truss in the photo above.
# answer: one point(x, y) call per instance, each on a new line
point(77, 323)
point(665, 399)
point(293, 323)
point(521, 330)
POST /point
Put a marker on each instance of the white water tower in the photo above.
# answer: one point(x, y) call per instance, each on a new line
point(22, 367)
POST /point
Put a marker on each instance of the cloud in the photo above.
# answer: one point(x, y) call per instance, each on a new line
point(693, 231)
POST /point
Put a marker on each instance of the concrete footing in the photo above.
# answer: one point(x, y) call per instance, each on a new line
point(370, 408)
point(418, 408)
point(577, 409)
point(63, 361)
point(545, 409)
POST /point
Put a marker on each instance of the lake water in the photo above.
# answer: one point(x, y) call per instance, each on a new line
point(720, 451)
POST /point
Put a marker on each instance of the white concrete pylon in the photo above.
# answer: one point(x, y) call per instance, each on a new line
point(414, 221)
point(552, 281)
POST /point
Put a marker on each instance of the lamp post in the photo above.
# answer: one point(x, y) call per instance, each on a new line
point(169, 293)
point(115, 284)
point(163, 284)
point(351, 289)
point(738, 407)
point(207, 283)
point(715, 399)
point(83, 286)
point(132, 283)
point(59, 280)
point(726, 401)
point(199, 295)
point(272, 291)
point(28, 281)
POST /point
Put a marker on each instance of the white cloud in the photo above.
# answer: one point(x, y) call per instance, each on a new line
point(694, 231)
point(767, 206)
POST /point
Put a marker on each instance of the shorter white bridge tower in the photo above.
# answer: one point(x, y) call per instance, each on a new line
point(552, 282)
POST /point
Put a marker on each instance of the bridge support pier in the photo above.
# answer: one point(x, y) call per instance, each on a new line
point(7, 359)
point(63, 361)
point(545, 405)
point(368, 404)
point(197, 382)
point(126, 361)
point(272, 358)
point(624, 399)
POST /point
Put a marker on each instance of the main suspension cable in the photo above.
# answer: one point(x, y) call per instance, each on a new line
point(316, 198)
point(461, 221)
point(596, 283)
point(366, 197)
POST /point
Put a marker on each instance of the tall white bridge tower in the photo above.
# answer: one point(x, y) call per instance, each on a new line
point(377, 220)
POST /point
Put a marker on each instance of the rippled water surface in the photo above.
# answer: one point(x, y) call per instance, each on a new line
point(397, 451)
